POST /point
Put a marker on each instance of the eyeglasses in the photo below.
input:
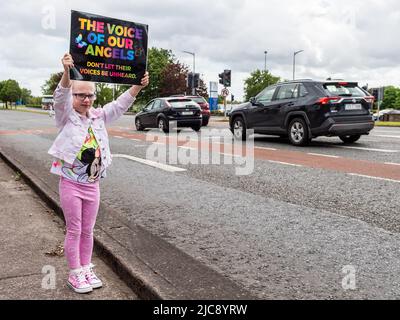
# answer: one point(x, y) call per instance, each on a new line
point(82, 96)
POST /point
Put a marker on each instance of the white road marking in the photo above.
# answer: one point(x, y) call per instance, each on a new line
point(286, 163)
point(393, 164)
point(323, 155)
point(231, 155)
point(371, 177)
point(265, 148)
point(184, 147)
point(136, 139)
point(384, 136)
point(368, 149)
point(154, 164)
point(119, 137)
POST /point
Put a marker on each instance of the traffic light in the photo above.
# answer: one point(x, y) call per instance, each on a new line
point(221, 78)
point(375, 93)
point(227, 78)
point(189, 80)
point(196, 80)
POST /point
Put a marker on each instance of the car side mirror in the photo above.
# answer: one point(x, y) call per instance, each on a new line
point(253, 100)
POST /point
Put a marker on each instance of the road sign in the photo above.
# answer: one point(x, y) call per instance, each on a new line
point(224, 92)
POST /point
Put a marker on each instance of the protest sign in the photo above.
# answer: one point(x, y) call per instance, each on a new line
point(107, 50)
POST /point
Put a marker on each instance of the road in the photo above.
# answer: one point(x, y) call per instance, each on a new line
point(292, 229)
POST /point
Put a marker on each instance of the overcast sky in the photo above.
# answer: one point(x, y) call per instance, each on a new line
point(349, 39)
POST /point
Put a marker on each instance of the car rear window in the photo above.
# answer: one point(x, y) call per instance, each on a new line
point(182, 103)
point(344, 89)
point(198, 99)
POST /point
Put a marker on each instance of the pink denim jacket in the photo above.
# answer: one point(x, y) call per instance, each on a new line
point(73, 128)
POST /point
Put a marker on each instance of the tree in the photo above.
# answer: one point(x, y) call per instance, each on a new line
point(173, 79)
point(10, 91)
point(257, 81)
point(391, 95)
point(104, 94)
point(25, 96)
point(202, 90)
point(51, 84)
point(158, 60)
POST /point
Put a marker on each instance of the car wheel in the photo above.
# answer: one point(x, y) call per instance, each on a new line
point(298, 132)
point(205, 122)
point(239, 129)
point(138, 125)
point(196, 128)
point(163, 125)
point(350, 138)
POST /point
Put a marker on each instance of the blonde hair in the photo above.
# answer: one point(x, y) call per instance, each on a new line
point(76, 82)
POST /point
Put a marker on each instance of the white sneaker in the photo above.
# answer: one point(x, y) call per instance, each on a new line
point(77, 282)
point(91, 277)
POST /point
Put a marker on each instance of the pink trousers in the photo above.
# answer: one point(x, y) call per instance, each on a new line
point(80, 204)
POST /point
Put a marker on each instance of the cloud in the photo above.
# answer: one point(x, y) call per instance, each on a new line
point(355, 40)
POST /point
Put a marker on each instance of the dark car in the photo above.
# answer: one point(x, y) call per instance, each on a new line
point(205, 107)
point(305, 109)
point(158, 113)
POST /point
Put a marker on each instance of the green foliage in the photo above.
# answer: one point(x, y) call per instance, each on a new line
point(104, 94)
point(10, 91)
point(25, 95)
point(158, 60)
point(257, 81)
point(51, 84)
point(36, 101)
point(391, 98)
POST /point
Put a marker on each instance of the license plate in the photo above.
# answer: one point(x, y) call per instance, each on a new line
point(356, 106)
point(187, 113)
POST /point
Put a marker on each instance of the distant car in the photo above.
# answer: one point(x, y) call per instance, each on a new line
point(379, 116)
point(158, 113)
point(305, 109)
point(205, 107)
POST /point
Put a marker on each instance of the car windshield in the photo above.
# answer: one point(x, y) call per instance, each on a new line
point(182, 103)
point(344, 90)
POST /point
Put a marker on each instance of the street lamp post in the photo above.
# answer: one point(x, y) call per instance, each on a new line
point(294, 61)
point(265, 60)
point(194, 69)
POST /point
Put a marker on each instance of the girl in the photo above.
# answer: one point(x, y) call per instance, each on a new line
point(82, 154)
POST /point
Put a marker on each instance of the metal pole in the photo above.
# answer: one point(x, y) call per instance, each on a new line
point(294, 63)
point(224, 106)
point(194, 70)
point(265, 60)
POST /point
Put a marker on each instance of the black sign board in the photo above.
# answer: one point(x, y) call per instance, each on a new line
point(107, 50)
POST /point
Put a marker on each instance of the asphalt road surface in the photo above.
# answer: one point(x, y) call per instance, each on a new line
point(320, 221)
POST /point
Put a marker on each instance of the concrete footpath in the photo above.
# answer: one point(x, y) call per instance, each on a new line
point(32, 262)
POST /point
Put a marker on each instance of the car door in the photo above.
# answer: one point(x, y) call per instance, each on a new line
point(275, 111)
point(146, 113)
point(155, 110)
point(256, 112)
